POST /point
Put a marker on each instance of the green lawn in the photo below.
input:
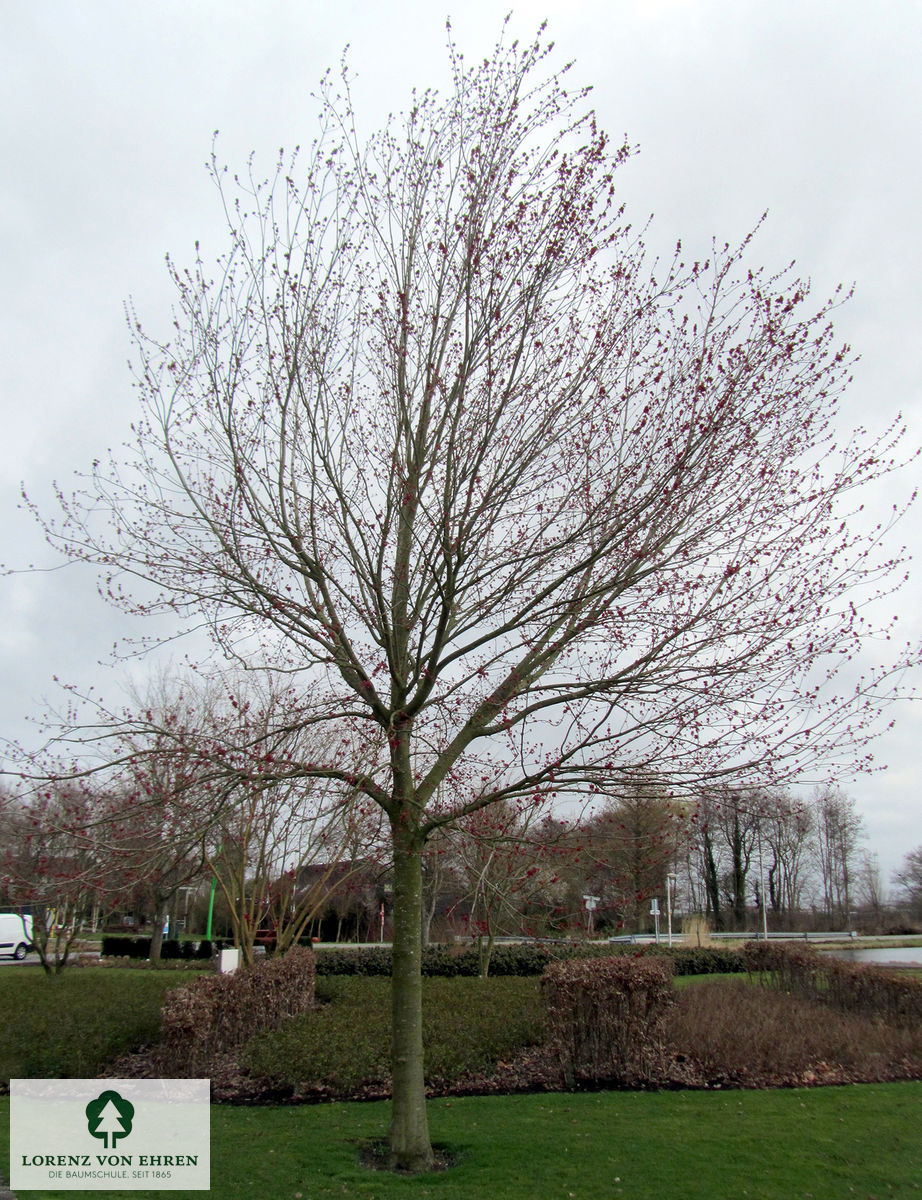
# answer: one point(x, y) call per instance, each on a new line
point(819, 1144)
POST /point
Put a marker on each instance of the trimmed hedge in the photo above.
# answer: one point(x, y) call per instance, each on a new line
point(701, 960)
point(850, 987)
point(525, 958)
point(217, 1013)
point(606, 1018)
point(518, 958)
point(363, 960)
point(120, 946)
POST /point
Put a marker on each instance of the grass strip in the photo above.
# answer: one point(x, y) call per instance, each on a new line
point(815, 1144)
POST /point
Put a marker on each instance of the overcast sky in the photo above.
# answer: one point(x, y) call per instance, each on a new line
point(809, 109)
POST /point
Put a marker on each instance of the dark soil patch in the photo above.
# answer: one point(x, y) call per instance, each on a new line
point(375, 1155)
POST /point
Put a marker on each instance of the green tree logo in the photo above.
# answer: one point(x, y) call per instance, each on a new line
point(109, 1116)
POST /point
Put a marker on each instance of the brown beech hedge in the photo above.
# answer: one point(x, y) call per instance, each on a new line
point(606, 1017)
point(217, 1013)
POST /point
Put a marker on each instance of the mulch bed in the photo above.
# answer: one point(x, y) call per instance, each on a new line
point(534, 1070)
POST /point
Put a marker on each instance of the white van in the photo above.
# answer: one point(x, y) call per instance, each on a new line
point(15, 935)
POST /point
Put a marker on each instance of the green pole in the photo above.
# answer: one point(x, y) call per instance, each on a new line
point(214, 888)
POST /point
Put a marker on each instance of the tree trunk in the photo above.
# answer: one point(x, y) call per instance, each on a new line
point(485, 945)
point(711, 882)
point(410, 1148)
point(774, 892)
point(156, 941)
point(739, 875)
point(429, 907)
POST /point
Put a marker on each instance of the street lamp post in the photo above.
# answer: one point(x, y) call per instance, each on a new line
point(186, 889)
point(670, 893)
point(762, 889)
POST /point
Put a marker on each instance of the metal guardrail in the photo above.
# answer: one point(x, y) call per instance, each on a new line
point(812, 936)
point(679, 939)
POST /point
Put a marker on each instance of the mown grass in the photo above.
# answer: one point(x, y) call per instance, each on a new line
point(468, 1025)
point(685, 981)
point(823, 1143)
point(73, 1024)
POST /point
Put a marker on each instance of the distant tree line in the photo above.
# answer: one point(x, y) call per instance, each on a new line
point(156, 843)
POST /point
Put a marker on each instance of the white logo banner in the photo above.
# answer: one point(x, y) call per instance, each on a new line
point(110, 1134)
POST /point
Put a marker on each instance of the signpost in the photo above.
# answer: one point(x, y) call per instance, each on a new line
point(591, 903)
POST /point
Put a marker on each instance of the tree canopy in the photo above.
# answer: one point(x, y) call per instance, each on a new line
point(527, 514)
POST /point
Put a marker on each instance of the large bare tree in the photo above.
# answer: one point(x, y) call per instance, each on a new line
point(529, 512)
point(839, 831)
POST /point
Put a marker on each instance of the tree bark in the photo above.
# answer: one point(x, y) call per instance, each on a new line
point(410, 1148)
point(485, 945)
point(711, 882)
point(739, 874)
point(156, 941)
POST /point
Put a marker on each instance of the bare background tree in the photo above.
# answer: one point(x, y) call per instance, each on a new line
point(787, 830)
point(504, 861)
point(58, 865)
point(908, 879)
point(838, 834)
